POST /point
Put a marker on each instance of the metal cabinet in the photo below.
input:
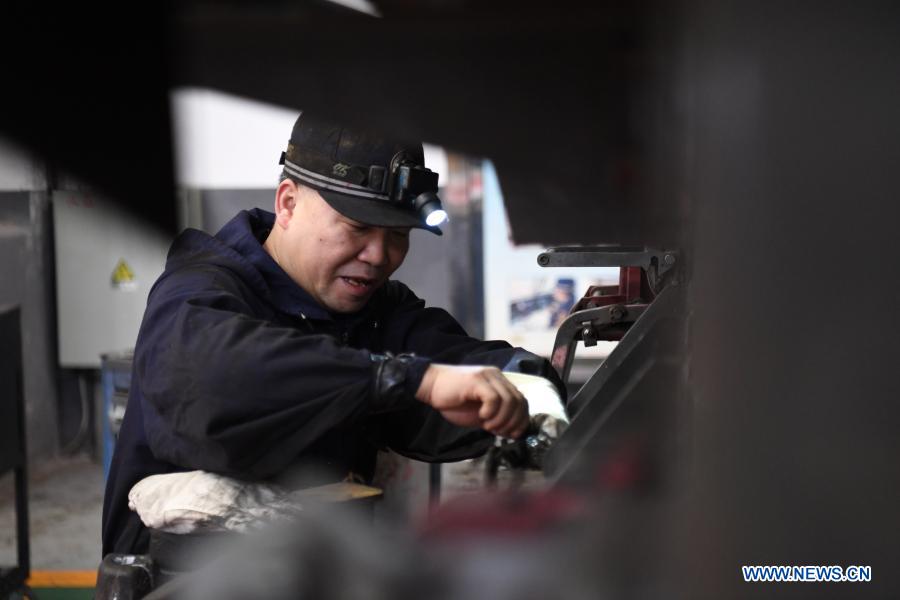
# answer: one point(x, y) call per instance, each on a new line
point(115, 375)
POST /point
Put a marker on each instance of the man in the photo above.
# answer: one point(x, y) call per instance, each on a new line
point(280, 349)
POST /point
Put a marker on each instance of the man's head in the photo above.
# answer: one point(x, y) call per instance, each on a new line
point(344, 208)
point(339, 261)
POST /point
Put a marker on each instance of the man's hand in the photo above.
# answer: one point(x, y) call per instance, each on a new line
point(475, 396)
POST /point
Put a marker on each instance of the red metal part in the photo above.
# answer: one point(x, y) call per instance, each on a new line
point(632, 288)
point(508, 514)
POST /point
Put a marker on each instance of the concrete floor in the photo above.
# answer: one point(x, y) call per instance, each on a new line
point(65, 500)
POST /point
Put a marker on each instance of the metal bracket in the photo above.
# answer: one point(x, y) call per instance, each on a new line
point(587, 326)
point(595, 402)
point(659, 264)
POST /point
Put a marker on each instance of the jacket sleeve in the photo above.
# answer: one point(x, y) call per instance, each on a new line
point(420, 432)
point(231, 393)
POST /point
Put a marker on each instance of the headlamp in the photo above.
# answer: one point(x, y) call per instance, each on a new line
point(412, 184)
point(428, 206)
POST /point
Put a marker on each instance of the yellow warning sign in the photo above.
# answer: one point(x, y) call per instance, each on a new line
point(122, 275)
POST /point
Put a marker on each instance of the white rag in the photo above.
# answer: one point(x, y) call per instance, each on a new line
point(543, 399)
point(198, 500)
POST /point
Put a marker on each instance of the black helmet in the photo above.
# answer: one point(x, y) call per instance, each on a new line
point(364, 175)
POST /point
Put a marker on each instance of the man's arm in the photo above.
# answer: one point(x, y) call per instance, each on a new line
point(433, 333)
point(228, 392)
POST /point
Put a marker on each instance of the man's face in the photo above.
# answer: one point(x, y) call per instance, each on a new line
point(338, 261)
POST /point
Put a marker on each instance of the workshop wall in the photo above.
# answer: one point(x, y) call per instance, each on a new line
point(26, 279)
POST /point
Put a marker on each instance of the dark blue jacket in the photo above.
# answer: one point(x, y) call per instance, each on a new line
point(237, 370)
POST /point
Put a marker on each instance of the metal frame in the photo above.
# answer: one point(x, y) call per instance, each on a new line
point(587, 422)
point(584, 325)
point(659, 264)
point(14, 578)
point(591, 408)
point(659, 308)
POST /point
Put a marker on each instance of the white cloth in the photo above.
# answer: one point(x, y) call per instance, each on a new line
point(197, 500)
point(541, 395)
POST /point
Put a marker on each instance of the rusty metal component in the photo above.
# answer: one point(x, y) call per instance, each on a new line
point(617, 312)
point(606, 312)
point(606, 323)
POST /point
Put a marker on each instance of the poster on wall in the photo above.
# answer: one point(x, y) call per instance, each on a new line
point(524, 302)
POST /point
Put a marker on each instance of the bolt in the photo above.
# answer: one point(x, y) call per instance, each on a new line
point(669, 259)
point(588, 336)
point(616, 312)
